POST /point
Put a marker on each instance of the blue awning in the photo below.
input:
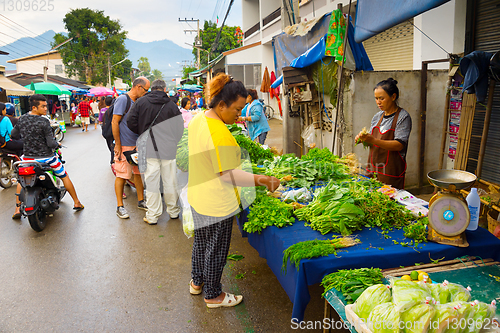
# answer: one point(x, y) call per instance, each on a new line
point(317, 52)
point(375, 16)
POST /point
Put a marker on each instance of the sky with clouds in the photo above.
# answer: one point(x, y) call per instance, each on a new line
point(145, 20)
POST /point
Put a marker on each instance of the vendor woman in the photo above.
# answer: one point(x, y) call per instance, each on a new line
point(388, 137)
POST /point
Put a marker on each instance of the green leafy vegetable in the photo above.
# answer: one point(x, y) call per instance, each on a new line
point(315, 248)
point(350, 281)
point(268, 211)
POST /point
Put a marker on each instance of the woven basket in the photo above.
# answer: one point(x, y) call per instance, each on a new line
point(492, 220)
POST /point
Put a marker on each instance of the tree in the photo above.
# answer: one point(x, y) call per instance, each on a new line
point(144, 65)
point(227, 41)
point(124, 71)
point(185, 74)
point(157, 74)
point(97, 42)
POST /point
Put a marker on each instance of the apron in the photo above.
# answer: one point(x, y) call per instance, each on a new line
point(389, 166)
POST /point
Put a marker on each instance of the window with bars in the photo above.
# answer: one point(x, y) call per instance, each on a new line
point(250, 74)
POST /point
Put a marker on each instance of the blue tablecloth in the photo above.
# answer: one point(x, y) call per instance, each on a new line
point(374, 251)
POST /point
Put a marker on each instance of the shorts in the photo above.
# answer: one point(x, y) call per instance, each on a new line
point(124, 169)
point(85, 120)
point(54, 163)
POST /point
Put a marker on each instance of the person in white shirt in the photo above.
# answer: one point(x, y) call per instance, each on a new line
point(95, 110)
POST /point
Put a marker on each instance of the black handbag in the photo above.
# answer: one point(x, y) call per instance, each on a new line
point(131, 156)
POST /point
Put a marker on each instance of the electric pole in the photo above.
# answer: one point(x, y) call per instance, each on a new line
point(197, 41)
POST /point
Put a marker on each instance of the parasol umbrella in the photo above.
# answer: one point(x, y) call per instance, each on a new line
point(266, 82)
point(48, 88)
point(101, 91)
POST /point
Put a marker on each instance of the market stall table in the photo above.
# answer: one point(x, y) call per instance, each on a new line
point(373, 251)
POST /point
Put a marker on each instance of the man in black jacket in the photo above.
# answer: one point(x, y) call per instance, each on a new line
point(156, 116)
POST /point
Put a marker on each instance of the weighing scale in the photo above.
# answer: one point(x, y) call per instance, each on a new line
point(449, 213)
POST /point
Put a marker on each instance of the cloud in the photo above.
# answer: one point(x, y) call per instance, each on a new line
point(144, 21)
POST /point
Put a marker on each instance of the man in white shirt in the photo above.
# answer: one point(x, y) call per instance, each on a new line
point(95, 110)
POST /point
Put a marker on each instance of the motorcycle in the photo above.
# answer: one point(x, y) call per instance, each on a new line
point(7, 173)
point(41, 191)
point(56, 128)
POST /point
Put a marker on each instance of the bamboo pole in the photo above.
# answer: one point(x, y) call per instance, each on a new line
point(486, 128)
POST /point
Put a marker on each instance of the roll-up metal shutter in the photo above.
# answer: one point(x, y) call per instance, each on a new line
point(399, 40)
point(487, 38)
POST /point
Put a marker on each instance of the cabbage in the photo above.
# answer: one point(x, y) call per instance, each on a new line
point(480, 312)
point(417, 318)
point(439, 292)
point(443, 318)
point(458, 293)
point(188, 223)
point(465, 311)
point(406, 294)
point(371, 297)
point(384, 318)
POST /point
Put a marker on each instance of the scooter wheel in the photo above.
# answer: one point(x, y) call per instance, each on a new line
point(37, 220)
point(5, 182)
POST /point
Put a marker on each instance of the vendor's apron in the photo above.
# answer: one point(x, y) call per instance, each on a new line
point(389, 166)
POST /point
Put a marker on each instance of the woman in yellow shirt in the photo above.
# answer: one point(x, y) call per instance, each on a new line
point(214, 177)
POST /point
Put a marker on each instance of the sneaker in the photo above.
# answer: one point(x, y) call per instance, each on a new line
point(147, 221)
point(142, 205)
point(122, 213)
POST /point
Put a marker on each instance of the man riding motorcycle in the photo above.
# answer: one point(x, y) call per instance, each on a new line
point(39, 145)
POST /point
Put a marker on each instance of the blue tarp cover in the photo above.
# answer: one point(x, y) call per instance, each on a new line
point(317, 52)
point(375, 16)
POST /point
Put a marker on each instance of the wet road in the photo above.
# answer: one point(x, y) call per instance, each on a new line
point(91, 271)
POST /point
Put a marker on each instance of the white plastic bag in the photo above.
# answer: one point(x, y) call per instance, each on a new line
point(187, 215)
point(301, 194)
point(309, 136)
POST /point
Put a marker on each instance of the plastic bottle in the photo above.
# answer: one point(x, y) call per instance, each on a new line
point(474, 203)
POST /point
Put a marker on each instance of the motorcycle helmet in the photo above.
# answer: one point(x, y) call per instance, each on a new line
point(495, 66)
point(10, 109)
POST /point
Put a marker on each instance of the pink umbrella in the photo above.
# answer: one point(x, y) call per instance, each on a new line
point(100, 91)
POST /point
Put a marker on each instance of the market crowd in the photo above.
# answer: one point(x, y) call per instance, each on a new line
point(142, 129)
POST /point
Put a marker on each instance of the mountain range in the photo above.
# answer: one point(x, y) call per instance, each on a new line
point(164, 54)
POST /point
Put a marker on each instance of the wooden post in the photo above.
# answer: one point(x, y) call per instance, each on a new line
point(486, 128)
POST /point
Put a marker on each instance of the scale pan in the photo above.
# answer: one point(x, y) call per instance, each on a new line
point(445, 178)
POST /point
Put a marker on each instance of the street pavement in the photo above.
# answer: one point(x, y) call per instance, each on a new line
point(90, 271)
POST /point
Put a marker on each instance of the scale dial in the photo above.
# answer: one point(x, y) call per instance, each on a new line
point(449, 215)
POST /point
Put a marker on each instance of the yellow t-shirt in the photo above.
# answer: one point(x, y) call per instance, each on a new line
point(212, 150)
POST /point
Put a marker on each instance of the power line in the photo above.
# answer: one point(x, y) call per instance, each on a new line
point(448, 53)
point(49, 42)
point(214, 45)
point(216, 10)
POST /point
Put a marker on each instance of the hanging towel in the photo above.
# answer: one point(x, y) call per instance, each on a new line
point(474, 67)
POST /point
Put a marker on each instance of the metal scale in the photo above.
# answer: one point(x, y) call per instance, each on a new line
point(449, 213)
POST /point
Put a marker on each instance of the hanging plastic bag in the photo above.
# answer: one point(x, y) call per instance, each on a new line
point(309, 136)
point(187, 214)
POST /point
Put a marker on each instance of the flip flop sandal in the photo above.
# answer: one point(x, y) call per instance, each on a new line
point(77, 209)
point(229, 300)
point(193, 291)
point(16, 216)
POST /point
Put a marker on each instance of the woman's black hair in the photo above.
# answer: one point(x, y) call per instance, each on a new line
point(224, 88)
point(390, 86)
point(253, 93)
point(184, 102)
point(2, 106)
point(108, 101)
